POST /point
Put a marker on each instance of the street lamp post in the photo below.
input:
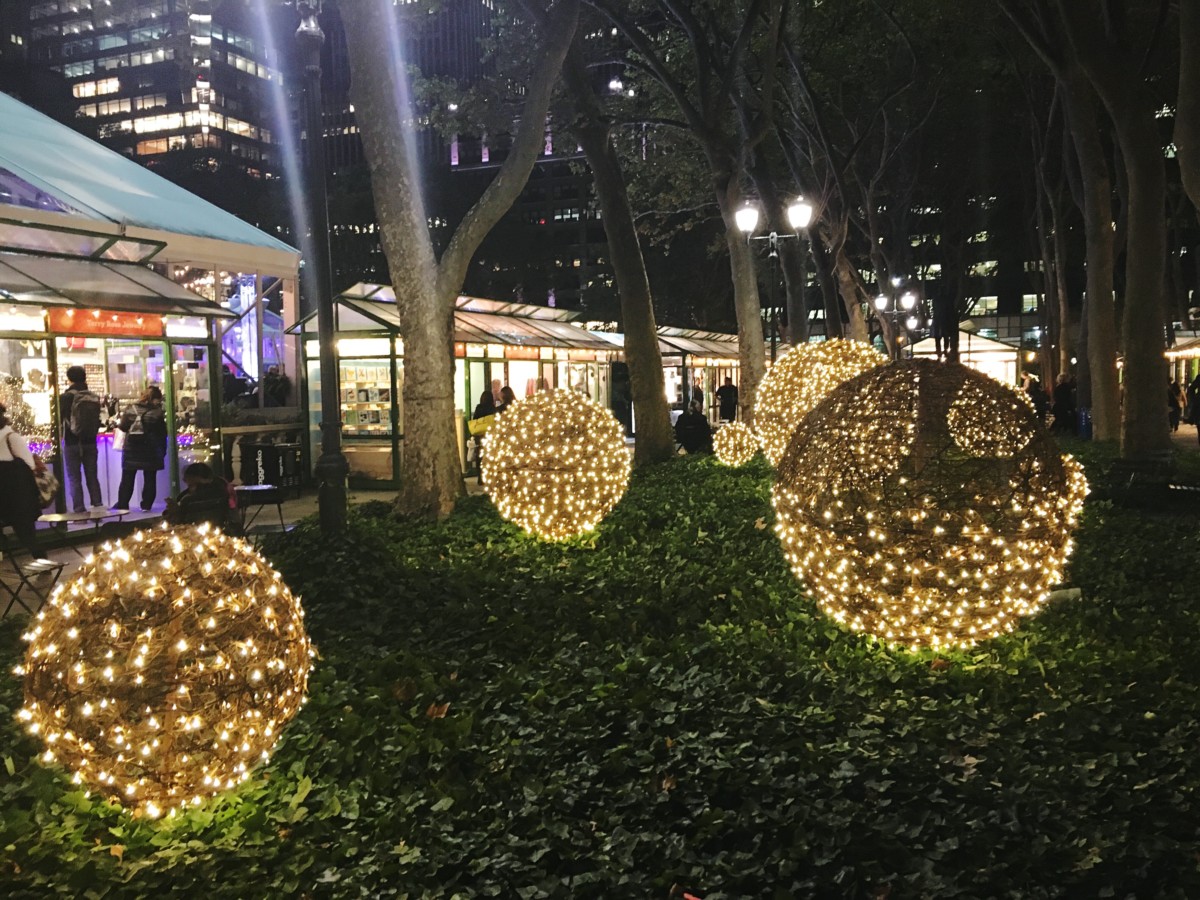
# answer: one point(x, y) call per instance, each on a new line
point(331, 468)
point(799, 214)
point(898, 306)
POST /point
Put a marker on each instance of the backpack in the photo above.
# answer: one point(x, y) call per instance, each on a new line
point(84, 420)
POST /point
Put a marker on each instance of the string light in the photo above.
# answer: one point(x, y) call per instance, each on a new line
point(165, 669)
point(735, 444)
point(922, 503)
point(801, 379)
point(556, 464)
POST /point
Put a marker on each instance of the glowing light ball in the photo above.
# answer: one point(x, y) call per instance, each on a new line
point(735, 444)
point(922, 503)
point(801, 379)
point(165, 669)
point(556, 464)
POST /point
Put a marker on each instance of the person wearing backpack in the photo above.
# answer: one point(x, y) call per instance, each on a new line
point(79, 411)
point(145, 427)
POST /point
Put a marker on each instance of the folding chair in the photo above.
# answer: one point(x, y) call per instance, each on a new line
point(20, 579)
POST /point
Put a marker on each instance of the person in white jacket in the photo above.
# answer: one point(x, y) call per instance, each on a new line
point(20, 504)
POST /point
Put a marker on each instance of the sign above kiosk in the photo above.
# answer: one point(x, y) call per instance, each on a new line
point(106, 322)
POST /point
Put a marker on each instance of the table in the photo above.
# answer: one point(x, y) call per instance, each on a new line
point(95, 516)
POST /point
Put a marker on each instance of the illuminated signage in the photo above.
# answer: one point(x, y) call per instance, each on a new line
point(104, 321)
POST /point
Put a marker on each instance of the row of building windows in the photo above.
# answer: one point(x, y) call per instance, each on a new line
point(123, 105)
point(245, 64)
point(117, 61)
point(155, 146)
point(129, 13)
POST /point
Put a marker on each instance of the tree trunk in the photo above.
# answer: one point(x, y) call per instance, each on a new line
point(823, 264)
point(1187, 106)
point(1083, 116)
point(1118, 80)
point(1063, 312)
point(856, 323)
point(425, 289)
point(792, 258)
point(655, 439)
point(751, 345)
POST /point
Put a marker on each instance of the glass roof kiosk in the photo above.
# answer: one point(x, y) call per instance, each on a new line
point(525, 347)
point(98, 269)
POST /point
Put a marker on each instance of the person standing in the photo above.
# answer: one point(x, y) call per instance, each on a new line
point(79, 411)
point(727, 400)
point(1193, 403)
point(507, 399)
point(145, 427)
point(481, 420)
point(20, 504)
point(1175, 404)
point(1064, 405)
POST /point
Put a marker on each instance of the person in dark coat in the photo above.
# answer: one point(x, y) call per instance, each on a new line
point(20, 504)
point(1064, 405)
point(1193, 403)
point(507, 398)
point(206, 498)
point(727, 400)
point(1037, 396)
point(692, 430)
point(145, 427)
point(1175, 403)
point(79, 450)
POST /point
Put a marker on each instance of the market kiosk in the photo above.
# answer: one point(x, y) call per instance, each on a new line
point(128, 328)
point(106, 265)
point(495, 343)
point(697, 362)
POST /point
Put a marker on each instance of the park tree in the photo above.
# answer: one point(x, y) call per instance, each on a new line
point(1043, 29)
point(427, 285)
point(694, 53)
point(593, 125)
point(1187, 107)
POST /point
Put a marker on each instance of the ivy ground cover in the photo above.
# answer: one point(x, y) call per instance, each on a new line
point(659, 708)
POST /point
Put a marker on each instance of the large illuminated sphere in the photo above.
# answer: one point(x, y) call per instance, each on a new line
point(164, 670)
point(556, 464)
point(801, 379)
point(922, 503)
point(735, 444)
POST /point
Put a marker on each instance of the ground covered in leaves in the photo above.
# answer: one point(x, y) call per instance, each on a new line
point(659, 705)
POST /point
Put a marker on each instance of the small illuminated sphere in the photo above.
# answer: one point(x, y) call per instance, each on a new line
point(801, 379)
point(735, 444)
point(164, 670)
point(556, 464)
point(922, 503)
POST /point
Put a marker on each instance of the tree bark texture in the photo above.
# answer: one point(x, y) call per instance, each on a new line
point(1116, 75)
point(655, 439)
point(426, 289)
point(1187, 107)
point(752, 355)
point(1101, 323)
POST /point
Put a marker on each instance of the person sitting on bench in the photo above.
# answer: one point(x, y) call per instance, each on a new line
point(205, 500)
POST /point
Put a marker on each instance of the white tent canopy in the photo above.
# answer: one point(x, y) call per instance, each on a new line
point(56, 183)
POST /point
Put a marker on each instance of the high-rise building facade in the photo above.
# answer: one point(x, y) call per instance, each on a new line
point(163, 79)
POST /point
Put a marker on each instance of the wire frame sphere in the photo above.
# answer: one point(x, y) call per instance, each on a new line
point(735, 444)
point(922, 503)
point(164, 670)
point(801, 379)
point(556, 464)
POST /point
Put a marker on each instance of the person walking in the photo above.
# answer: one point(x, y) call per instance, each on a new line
point(145, 427)
point(692, 431)
point(727, 400)
point(20, 504)
point(1175, 402)
point(80, 411)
